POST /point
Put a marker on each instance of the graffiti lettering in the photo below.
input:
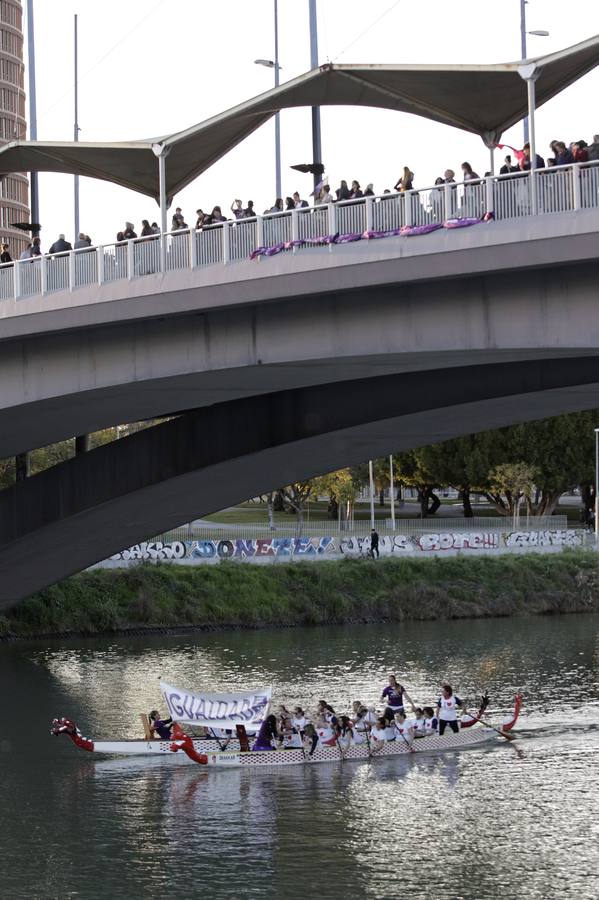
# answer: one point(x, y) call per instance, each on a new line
point(153, 550)
point(458, 541)
point(360, 546)
point(556, 538)
point(243, 548)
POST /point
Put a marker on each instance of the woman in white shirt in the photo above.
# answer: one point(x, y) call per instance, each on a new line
point(447, 709)
point(378, 732)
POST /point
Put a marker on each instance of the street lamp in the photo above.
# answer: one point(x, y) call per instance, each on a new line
point(523, 33)
point(596, 484)
point(274, 64)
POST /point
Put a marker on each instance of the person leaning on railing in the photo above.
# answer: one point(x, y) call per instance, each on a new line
point(5, 256)
point(525, 161)
point(60, 246)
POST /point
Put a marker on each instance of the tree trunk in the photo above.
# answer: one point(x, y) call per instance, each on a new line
point(466, 504)
point(435, 502)
point(499, 504)
point(382, 497)
point(279, 501)
point(333, 508)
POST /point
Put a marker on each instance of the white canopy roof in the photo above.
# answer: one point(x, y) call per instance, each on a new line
point(482, 99)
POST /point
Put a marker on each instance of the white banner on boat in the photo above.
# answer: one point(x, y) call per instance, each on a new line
point(217, 710)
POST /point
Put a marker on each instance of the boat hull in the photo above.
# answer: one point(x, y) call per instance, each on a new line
point(154, 748)
point(431, 744)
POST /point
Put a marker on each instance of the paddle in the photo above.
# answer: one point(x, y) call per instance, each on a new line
point(411, 749)
point(339, 746)
point(503, 734)
point(221, 746)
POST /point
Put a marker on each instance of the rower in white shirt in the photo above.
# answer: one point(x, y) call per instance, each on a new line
point(378, 732)
point(403, 728)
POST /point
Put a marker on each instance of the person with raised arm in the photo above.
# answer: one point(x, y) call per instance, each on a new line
point(161, 727)
point(447, 707)
point(393, 695)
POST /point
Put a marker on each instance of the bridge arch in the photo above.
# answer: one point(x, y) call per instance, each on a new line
point(81, 511)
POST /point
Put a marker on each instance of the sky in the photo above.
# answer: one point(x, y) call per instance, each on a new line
point(151, 67)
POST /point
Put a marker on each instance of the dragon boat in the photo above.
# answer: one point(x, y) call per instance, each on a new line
point(237, 752)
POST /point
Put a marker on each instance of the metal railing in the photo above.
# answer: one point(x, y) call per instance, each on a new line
point(330, 527)
point(504, 197)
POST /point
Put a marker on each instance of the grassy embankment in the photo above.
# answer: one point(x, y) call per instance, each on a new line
point(249, 596)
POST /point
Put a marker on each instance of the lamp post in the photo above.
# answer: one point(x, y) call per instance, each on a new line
point(76, 126)
point(392, 489)
point(274, 64)
point(523, 52)
point(316, 141)
point(371, 485)
point(596, 484)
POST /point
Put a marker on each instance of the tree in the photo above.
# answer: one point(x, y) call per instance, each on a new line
point(296, 496)
point(412, 469)
point(342, 489)
point(509, 483)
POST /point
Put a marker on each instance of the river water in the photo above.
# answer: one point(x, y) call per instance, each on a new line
point(484, 823)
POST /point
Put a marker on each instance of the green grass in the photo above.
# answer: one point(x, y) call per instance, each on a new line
point(253, 596)
point(256, 513)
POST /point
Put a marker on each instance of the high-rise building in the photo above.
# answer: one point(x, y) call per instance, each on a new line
point(14, 189)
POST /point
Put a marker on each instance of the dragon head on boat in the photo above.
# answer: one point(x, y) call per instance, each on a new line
point(468, 721)
point(67, 726)
point(185, 743)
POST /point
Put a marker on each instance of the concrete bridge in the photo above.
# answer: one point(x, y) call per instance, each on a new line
point(277, 369)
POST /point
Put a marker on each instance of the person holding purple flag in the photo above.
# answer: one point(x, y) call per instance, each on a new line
point(393, 695)
point(162, 727)
point(267, 735)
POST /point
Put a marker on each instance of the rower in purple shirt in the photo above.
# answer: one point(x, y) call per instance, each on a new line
point(162, 727)
point(393, 695)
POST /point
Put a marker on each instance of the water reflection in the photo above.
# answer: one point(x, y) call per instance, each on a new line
point(507, 823)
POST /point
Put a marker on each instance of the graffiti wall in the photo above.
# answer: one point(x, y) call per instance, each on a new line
point(240, 548)
point(557, 538)
point(263, 549)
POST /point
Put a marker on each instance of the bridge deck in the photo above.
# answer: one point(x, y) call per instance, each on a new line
point(63, 278)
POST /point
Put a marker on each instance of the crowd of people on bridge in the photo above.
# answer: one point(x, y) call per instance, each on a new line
point(514, 164)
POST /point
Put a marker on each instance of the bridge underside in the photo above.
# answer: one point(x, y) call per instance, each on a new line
point(81, 511)
point(76, 381)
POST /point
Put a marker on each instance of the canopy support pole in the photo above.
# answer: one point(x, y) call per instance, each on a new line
point(162, 188)
point(161, 151)
point(529, 74)
point(530, 84)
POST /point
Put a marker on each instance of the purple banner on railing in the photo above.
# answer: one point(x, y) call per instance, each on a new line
point(404, 231)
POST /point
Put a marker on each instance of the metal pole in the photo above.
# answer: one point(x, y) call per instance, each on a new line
point(76, 131)
point(33, 189)
point(523, 52)
point(316, 143)
point(392, 489)
point(530, 84)
point(162, 189)
point(596, 484)
point(491, 160)
point(371, 479)
point(23, 460)
point(277, 115)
